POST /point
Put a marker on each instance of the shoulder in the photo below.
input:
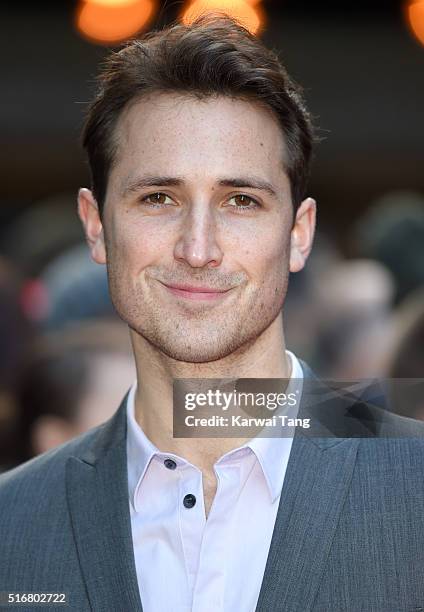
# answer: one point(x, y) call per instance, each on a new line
point(35, 524)
point(391, 448)
point(390, 426)
point(351, 410)
point(44, 475)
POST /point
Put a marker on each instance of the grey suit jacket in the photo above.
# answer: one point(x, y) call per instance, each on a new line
point(349, 533)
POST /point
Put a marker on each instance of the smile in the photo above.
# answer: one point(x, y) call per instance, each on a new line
point(195, 293)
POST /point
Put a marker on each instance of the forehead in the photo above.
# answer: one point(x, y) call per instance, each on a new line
point(189, 136)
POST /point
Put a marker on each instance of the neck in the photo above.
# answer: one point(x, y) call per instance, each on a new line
point(265, 357)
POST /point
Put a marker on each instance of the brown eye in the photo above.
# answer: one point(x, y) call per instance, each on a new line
point(244, 202)
point(241, 200)
point(156, 198)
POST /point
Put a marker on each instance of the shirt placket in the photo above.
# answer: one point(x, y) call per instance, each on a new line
point(209, 588)
point(191, 519)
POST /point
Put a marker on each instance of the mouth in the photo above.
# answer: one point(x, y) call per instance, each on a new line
point(191, 292)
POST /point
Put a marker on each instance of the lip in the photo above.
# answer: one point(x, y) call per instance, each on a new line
point(195, 293)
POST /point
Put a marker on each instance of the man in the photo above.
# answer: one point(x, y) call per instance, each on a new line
point(199, 146)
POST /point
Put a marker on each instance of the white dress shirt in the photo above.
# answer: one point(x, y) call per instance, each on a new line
point(185, 562)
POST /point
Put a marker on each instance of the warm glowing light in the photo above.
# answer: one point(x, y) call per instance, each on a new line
point(241, 10)
point(108, 22)
point(415, 16)
point(113, 3)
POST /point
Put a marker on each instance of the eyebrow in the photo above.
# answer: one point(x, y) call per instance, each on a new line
point(175, 181)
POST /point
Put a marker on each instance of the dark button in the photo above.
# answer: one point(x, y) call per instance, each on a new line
point(189, 501)
point(170, 464)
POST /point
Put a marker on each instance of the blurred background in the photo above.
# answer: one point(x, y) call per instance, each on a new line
point(356, 311)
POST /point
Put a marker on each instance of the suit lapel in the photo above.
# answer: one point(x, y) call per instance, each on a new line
point(315, 487)
point(97, 491)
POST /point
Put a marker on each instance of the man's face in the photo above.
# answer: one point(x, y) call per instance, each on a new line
point(197, 198)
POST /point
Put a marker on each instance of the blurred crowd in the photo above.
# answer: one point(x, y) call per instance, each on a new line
point(65, 357)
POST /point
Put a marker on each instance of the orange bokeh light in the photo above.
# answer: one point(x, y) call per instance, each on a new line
point(112, 21)
point(415, 16)
point(241, 10)
point(113, 3)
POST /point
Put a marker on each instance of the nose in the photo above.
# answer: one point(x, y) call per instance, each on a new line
point(197, 244)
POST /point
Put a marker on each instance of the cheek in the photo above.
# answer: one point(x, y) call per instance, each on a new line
point(137, 245)
point(266, 256)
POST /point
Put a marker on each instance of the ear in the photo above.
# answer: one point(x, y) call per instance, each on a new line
point(302, 234)
point(88, 211)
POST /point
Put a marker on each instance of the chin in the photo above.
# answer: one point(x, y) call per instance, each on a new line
point(200, 354)
point(192, 348)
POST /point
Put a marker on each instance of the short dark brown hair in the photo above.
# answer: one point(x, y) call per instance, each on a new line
point(213, 56)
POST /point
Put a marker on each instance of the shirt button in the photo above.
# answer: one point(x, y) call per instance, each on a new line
point(170, 464)
point(189, 501)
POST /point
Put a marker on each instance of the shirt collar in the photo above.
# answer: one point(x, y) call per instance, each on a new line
point(271, 452)
point(140, 449)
